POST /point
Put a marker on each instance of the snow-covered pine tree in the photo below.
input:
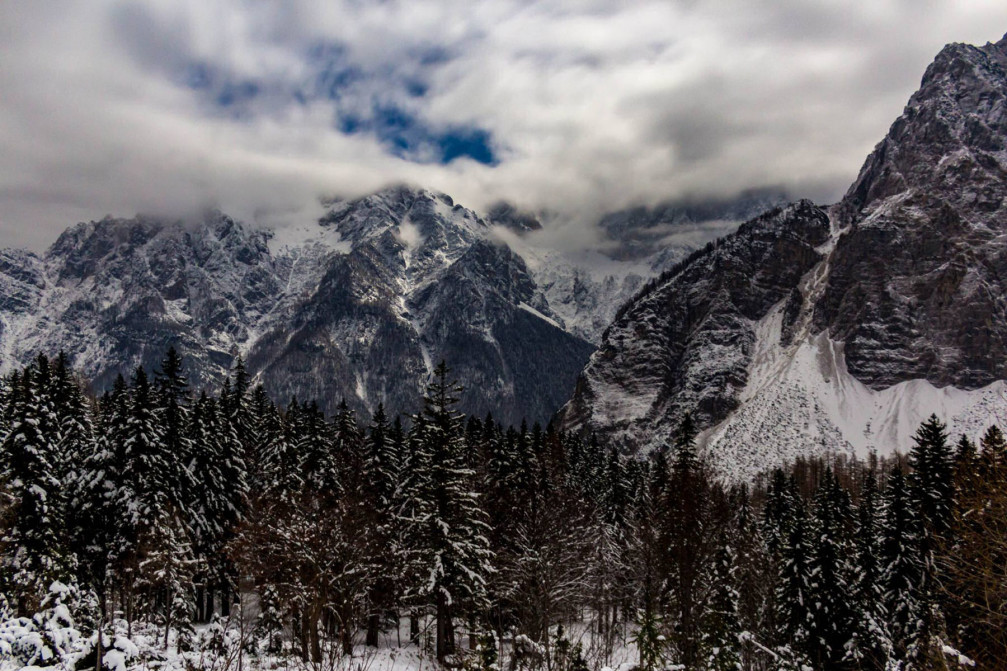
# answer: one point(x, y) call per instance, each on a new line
point(753, 564)
point(689, 541)
point(165, 573)
point(319, 462)
point(795, 599)
point(966, 458)
point(221, 496)
point(775, 521)
point(380, 475)
point(832, 626)
point(932, 478)
point(349, 452)
point(902, 568)
point(974, 559)
point(872, 645)
point(720, 627)
point(172, 398)
point(266, 426)
point(149, 469)
point(279, 459)
point(236, 406)
point(99, 508)
point(447, 544)
point(35, 546)
point(74, 417)
point(994, 451)
point(147, 484)
point(931, 491)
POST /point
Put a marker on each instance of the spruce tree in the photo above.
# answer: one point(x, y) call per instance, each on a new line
point(721, 627)
point(380, 475)
point(832, 626)
point(795, 595)
point(319, 461)
point(447, 547)
point(100, 505)
point(872, 645)
point(932, 479)
point(902, 566)
point(35, 544)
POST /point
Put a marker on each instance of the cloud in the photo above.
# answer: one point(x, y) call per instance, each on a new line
point(260, 108)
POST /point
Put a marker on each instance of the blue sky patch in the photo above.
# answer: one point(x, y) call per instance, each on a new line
point(384, 103)
point(405, 135)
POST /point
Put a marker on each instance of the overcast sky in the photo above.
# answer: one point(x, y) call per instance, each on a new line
point(169, 106)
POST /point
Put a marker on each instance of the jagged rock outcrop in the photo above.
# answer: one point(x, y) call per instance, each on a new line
point(918, 284)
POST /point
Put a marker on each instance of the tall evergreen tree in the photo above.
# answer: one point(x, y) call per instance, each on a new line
point(35, 547)
point(901, 563)
point(447, 546)
point(832, 626)
point(932, 479)
point(721, 627)
point(380, 475)
point(795, 595)
point(872, 646)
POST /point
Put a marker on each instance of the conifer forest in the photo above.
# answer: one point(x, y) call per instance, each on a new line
point(160, 527)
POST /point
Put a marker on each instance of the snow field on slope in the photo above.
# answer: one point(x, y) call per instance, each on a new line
point(802, 400)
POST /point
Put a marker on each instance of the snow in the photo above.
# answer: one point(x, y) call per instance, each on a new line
point(527, 308)
point(616, 403)
point(286, 239)
point(802, 399)
point(144, 649)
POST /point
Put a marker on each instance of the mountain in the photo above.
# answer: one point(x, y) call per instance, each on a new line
point(360, 305)
point(840, 328)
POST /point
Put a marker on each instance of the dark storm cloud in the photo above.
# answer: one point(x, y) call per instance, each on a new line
point(260, 108)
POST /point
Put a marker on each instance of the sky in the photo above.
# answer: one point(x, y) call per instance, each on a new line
point(168, 107)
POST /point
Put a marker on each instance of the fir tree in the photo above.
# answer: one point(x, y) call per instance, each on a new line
point(932, 480)
point(380, 478)
point(901, 573)
point(721, 627)
point(447, 547)
point(832, 622)
point(795, 596)
point(872, 645)
point(35, 543)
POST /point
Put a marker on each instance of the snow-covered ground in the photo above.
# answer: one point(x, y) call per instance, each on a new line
point(51, 640)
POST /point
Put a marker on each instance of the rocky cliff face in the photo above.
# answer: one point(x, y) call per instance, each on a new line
point(359, 306)
point(813, 330)
point(918, 284)
point(684, 343)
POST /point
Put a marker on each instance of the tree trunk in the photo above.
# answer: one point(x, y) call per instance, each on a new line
point(225, 599)
point(100, 636)
point(414, 629)
point(199, 602)
point(445, 629)
point(208, 612)
point(315, 638)
point(373, 625)
point(346, 637)
point(167, 619)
